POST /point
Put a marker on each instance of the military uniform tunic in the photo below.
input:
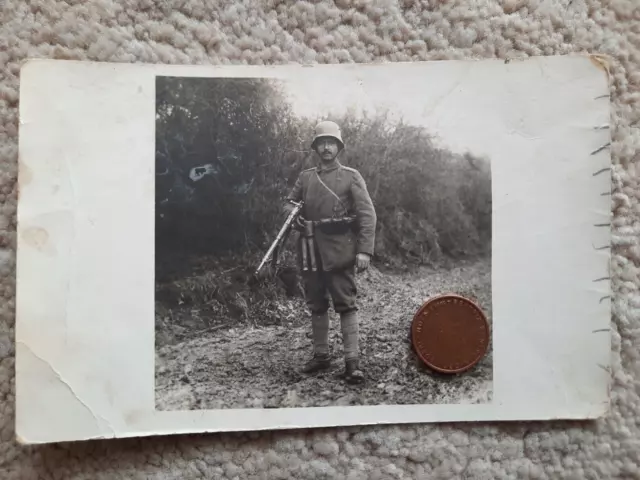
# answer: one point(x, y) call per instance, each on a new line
point(336, 252)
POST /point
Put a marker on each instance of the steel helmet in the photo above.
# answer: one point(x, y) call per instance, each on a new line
point(327, 129)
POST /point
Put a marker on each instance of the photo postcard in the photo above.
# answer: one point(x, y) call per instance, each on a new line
point(232, 248)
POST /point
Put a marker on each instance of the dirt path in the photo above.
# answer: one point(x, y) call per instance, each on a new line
point(258, 367)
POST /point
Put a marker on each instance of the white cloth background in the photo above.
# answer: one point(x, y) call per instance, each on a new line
point(268, 31)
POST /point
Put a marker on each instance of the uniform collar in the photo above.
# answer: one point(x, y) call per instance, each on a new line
point(322, 168)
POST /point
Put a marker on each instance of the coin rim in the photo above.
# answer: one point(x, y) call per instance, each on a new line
point(414, 323)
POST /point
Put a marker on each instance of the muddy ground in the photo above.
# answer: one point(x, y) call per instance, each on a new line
point(258, 366)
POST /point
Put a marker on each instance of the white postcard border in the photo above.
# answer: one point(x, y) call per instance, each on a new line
point(85, 347)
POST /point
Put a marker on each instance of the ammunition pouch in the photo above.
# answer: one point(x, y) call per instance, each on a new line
point(307, 244)
point(336, 226)
point(307, 230)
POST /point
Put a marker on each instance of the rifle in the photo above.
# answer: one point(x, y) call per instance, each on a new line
point(281, 237)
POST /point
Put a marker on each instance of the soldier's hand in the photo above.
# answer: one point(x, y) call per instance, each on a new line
point(299, 222)
point(362, 262)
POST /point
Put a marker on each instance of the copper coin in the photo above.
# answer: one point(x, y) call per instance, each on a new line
point(450, 333)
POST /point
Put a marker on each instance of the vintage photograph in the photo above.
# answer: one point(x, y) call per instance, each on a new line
point(310, 246)
point(290, 270)
point(300, 224)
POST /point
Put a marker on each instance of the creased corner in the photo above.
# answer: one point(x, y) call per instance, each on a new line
point(97, 418)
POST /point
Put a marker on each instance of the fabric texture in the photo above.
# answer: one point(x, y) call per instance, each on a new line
point(349, 328)
point(274, 31)
point(320, 333)
point(339, 286)
point(337, 191)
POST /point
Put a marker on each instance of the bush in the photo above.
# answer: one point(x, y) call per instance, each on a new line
point(432, 205)
point(242, 131)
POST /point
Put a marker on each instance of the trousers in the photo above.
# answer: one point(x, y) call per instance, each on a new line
point(322, 286)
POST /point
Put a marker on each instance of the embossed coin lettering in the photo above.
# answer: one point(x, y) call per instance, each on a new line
point(450, 334)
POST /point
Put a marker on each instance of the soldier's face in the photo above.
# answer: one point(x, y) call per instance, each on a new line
point(327, 148)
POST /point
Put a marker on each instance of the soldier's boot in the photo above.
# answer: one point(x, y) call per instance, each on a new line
point(352, 373)
point(318, 363)
point(349, 323)
point(320, 332)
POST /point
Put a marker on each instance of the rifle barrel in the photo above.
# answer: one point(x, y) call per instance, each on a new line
point(281, 233)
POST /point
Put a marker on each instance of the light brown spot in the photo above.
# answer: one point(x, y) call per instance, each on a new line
point(25, 174)
point(600, 61)
point(36, 237)
point(132, 417)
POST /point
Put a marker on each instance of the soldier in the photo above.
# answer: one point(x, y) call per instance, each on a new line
point(338, 209)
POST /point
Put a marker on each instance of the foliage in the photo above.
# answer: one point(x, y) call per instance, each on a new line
point(433, 206)
point(243, 130)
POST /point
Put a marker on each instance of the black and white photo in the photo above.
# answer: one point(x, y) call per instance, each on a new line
point(377, 215)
